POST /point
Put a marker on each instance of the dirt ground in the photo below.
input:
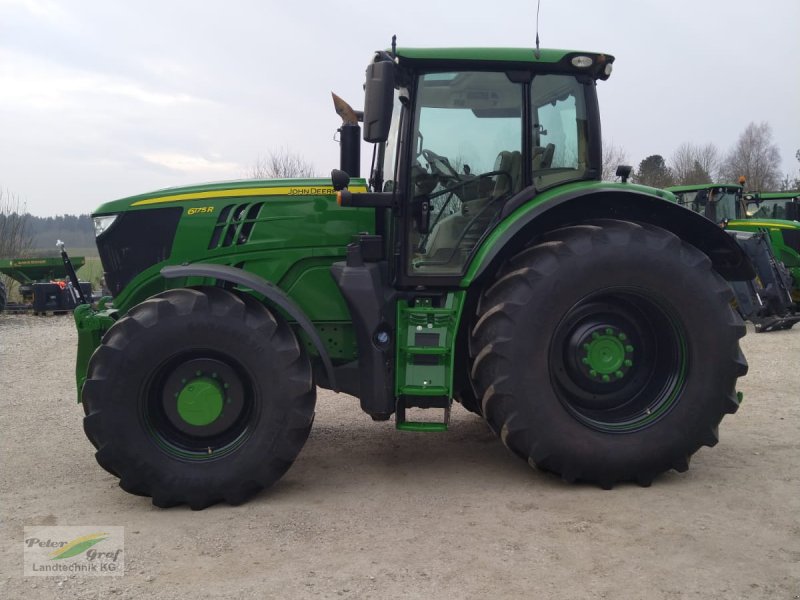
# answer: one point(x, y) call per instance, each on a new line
point(370, 512)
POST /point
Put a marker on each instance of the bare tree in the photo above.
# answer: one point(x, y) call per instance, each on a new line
point(794, 181)
point(14, 238)
point(756, 157)
point(613, 156)
point(691, 163)
point(281, 164)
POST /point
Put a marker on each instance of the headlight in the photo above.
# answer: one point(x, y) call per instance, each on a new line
point(101, 224)
point(582, 62)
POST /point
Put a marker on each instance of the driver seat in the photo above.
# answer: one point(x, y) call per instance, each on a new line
point(476, 214)
point(508, 166)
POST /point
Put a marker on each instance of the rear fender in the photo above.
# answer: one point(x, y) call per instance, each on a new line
point(612, 201)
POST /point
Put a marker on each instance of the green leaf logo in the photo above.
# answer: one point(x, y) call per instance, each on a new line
point(78, 545)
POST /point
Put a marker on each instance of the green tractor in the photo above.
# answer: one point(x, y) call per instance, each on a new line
point(777, 214)
point(769, 300)
point(773, 205)
point(589, 323)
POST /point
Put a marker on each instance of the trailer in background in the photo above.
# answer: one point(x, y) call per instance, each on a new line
point(44, 286)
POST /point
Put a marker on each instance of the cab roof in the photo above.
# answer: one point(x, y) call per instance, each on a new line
point(677, 189)
point(551, 59)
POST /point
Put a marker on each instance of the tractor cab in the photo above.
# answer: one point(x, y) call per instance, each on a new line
point(468, 136)
point(717, 202)
point(774, 205)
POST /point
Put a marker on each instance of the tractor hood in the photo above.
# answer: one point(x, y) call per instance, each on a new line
point(246, 188)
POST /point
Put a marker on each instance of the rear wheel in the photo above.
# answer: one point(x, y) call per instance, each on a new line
point(198, 396)
point(3, 296)
point(607, 352)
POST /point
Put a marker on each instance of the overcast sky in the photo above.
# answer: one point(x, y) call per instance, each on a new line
point(101, 99)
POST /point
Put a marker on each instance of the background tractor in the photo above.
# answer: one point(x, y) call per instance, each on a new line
point(589, 323)
point(778, 215)
point(773, 205)
point(768, 300)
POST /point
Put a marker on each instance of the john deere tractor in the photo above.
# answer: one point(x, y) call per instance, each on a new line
point(769, 300)
point(778, 215)
point(773, 205)
point(589, 323)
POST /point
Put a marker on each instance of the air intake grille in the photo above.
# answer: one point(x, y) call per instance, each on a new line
point(234, 225)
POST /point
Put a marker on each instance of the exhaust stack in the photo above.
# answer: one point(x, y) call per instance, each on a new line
point(349, 137)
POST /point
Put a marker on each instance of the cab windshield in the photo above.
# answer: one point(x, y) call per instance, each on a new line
point(718, 204)
point(768, 209)
point(470, 153)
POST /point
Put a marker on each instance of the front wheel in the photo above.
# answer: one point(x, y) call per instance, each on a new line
point(198, 396)
point(607, 352)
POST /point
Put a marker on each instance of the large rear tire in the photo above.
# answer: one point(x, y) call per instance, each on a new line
point(607, 352)
point(3, 296)
point(198, 396)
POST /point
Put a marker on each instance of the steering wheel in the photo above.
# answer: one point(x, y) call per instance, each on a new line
point(440, 165)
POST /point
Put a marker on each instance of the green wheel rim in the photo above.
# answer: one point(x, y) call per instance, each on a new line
point(619, 360)
point(200, 405)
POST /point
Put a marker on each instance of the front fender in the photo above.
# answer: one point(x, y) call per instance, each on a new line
point(273, 293)
point(607, 201)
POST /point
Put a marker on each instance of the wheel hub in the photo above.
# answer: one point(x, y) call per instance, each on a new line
point(606, 354)
point(203, 397)
point(200, 402)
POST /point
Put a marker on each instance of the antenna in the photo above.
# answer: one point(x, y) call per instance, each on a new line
point(394, 46)
point(536, 52)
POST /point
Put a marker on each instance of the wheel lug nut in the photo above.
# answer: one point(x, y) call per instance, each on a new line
point(622, 336)
point(619, 374)
point(593, 373)
point(628, 348)
point(609, 331)
point(628, 363)
point(606, 378)
point(585, 361)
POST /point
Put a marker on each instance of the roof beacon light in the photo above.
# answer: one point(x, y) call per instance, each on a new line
point(581, 62)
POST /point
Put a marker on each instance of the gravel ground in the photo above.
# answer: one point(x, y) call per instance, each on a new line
point(370, 512)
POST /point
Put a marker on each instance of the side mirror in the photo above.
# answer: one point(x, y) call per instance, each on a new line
point(378, 101)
